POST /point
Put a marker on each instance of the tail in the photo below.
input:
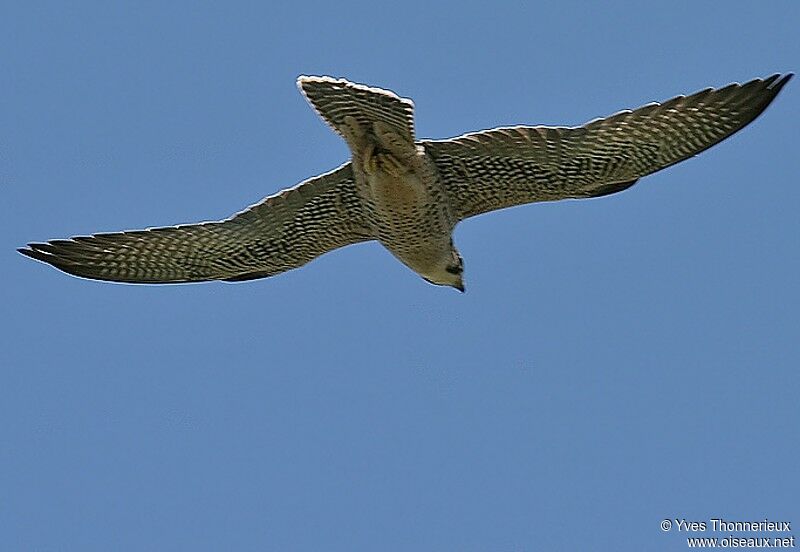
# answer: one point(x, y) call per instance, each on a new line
point(337, 99)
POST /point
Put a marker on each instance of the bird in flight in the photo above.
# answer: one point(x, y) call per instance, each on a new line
point(409, 194)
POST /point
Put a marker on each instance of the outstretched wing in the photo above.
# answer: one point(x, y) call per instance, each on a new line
point(500, 168)
point(335, 99)
point(282, 232)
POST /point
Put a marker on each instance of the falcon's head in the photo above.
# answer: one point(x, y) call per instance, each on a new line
point(449, 271)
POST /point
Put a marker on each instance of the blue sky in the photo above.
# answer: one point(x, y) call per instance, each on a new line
point(614, 362)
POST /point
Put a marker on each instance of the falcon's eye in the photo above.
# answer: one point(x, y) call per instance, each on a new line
point(454, 269)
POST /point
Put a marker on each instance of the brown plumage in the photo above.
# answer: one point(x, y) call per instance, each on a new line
point(408, 194)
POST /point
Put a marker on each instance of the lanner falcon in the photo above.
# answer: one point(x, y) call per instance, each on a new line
point(409, 194)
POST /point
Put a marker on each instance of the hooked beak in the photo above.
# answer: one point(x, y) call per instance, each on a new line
point(460, 287)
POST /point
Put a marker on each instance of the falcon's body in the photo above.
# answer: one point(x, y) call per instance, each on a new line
point(402, 196)
point(409, 195)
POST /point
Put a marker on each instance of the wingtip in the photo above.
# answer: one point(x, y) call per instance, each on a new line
point(39, 252)
point(772, 86)
point(781, 81)
point(35, 251)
